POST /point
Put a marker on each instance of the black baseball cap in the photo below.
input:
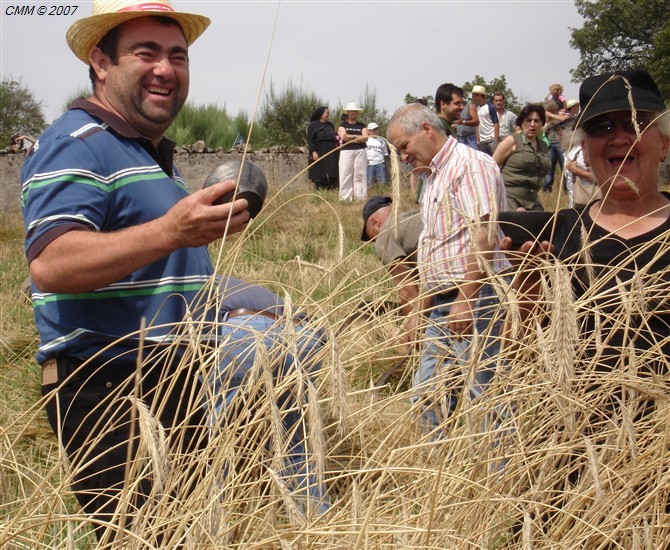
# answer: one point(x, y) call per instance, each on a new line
point(371, 206)
point(609, 92)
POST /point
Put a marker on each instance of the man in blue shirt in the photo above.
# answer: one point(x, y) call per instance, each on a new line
point(117, 251)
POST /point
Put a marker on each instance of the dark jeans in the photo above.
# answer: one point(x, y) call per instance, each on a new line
point(555, 156)
point(93, 416)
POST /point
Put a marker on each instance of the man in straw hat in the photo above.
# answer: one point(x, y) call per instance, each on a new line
point(467, 126)
point(114, 241)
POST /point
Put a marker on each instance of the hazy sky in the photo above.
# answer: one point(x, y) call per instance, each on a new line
point(332, 48)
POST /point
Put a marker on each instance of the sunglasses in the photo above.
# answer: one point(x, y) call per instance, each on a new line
point(605, 127)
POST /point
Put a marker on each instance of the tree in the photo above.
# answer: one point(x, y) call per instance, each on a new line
point(81, 91)
point(621, 35)
point(285, 114)
point(429, 99)
point(20, 112)
point(497, 85)
point(512, 102)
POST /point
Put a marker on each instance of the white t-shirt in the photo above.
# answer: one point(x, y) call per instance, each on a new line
point(486, 125)
point(376, 150)
point(507, 123)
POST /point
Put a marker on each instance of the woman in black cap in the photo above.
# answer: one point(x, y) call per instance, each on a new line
point(609, 335)
point(617, 249)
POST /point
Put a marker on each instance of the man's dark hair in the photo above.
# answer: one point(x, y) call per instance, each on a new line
point(498, 94)
point(444, 94)
point(109, 43)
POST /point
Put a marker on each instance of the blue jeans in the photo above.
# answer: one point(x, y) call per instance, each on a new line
point(240, 340)
point(376, 173)
point(449, 359)
point(555, 156)
point(470, 141)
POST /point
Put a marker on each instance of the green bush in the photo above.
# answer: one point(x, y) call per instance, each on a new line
point(20, 112)
point(285, 114)
point(213, 125)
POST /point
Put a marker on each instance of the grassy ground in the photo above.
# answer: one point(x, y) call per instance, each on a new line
point(519, 471)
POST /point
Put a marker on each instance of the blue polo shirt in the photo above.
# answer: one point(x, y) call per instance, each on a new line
point(92, 171)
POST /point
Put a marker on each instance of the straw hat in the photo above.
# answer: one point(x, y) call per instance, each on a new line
point(353, 106)
point(85, 34)
point(477, 89)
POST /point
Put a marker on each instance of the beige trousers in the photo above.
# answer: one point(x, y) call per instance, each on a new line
point(353, 175)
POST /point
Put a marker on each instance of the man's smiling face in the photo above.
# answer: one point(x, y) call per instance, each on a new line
point(149, 83)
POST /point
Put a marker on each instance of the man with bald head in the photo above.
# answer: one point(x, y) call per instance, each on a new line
point(395, 246)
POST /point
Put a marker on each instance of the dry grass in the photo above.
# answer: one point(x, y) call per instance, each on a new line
point(548, 460)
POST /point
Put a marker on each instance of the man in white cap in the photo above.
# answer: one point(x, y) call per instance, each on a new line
point(117, 251)
point(377, 152)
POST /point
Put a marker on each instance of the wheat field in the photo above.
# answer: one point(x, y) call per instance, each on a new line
point(558, 454)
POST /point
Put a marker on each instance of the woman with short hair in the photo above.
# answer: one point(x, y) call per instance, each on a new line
point(523, 159)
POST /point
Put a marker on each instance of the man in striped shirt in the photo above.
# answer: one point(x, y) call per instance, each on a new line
point(117, 251)
point(459, 259)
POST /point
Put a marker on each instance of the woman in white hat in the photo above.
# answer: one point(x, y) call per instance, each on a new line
point(353, 158)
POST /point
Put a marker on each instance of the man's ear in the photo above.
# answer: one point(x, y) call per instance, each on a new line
point(100, 63)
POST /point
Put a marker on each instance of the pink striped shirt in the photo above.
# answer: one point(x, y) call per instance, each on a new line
point(464, 185)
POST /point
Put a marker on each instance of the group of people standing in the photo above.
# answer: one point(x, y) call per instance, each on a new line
point(528, 159)
point(118, 256)
point(527, 147)
point(624, 133)
point(351, 157)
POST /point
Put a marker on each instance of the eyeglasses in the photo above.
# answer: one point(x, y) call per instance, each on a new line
point(603, 128)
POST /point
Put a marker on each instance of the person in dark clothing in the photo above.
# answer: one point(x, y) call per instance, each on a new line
point(321, 141)
point(616, 251)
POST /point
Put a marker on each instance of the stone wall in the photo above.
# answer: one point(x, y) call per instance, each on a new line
point(280, 168)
